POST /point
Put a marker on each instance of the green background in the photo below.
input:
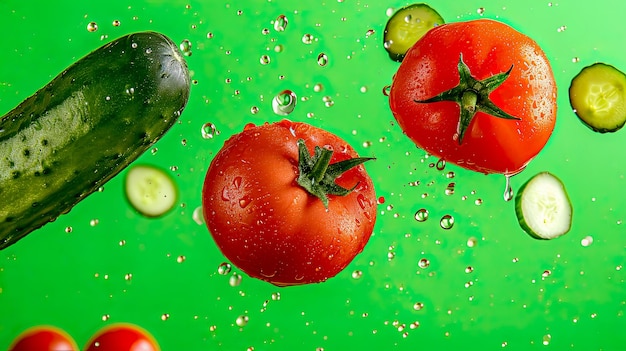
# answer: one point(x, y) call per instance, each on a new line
point(162, 274)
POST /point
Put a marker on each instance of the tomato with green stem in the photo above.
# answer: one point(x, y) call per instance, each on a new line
point(289, 203)
point(478, 94)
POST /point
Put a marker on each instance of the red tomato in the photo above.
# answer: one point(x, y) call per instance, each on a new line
point(269, 225)
point(122, 337)
point(485, 143)
point(43, 338)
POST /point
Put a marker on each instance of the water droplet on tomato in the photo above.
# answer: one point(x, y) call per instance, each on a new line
point(244, 202)
point(284, 102)
point(446, 222)
point(225, 195)
point(421, 215)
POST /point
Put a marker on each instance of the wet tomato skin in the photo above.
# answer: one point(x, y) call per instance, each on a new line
point(267, 224)
point(122, 337)
point(488, 47)
point(43, 338)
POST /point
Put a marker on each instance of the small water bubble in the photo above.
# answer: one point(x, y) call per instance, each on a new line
point(68, 229)
point(546, 339)
point(122, 242)
point(116, 23)
point(369, 33)
point(181, 259)
point(254, 110)
point(357, 274)
point(185, 47)
point(105, 317)
point(546, 273)
point(280, 24)
point(242, 321)
point(418, 306)
point(478, 202)
point(586, 241)
point(284, 102)
point(322, 59)
point(209, 130)
point(265, 59)
point(575, 59)
point(450, 175)
point(318, 87)
point(94, 222)
point(469, 269)
point(128, 276)
point(235, 280)
point(276, 296)
point(561, 29)
point(446, 222)
point(450, 189)
point(441, 164)
point(92, 26)
point(421, 215)
point(224, 268)
point(480, 10)
point(423, 263)
point(165, 316)
point(307, 38)
point(154, 150)
point(472, 242)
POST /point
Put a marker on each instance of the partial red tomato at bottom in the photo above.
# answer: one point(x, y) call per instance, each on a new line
point(289, 203)
point(122, 337)
point(43, 338)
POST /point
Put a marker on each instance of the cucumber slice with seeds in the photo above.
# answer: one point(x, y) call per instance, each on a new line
point(543, 207)
point(407, 26)
point(150, 190)
point(598, 96)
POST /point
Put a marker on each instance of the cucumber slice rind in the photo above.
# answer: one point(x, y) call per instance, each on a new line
point(543, 207)
point(150, 190)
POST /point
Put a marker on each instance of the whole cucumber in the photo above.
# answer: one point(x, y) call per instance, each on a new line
point(81, 129)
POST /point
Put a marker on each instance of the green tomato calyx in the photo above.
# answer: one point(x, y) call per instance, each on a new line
point(472, 95)
point(317, 175)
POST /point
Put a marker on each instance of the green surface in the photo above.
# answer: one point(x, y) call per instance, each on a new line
point(104, 263)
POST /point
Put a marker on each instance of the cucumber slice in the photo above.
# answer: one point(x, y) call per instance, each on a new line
point(407, 26)
point(543, 207)
point(150, 190)
point(598, 96)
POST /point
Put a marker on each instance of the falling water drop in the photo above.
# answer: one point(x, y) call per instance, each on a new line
point(508, 190)
point(280, 24)
point(322, 59)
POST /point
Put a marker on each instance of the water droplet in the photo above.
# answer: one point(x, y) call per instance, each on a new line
point(357, 274)
point(68, 229)
point(280, 24)
point(307, 38)
point(276, 296)
point(198, 216)
point(265, 59)
point(165, 316)
point(450, 175)
point(254, 110)
point(105, 317)
point(586, 241)
point(209, 130)
point(469, 269)
point(386, 90)
point(369, 33)
point(423, 263)
point(508, 190)
point(478, 202)
point(94, 222)
point(284, 102)
point(575, 59)
point(480, 11)
point(418, 306)
point(450, 189)
point(441, 164)
point(546, 273)
point(546, 339)
point(92, 26)
point(242, 320)
point(185, 47)
point(421, 215)
point(181, 259)
point(128, 276)
point(235, 280)
point(446, 222)
point(224, 268)
point(322, 59)
point(472, 241)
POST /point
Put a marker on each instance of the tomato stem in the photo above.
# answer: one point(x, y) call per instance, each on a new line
point(317, 175)
point(472, 95)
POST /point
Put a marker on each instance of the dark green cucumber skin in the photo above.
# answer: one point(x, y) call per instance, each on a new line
point(85, 126)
